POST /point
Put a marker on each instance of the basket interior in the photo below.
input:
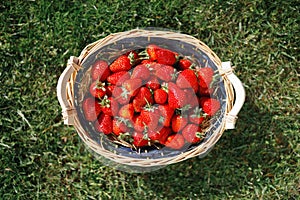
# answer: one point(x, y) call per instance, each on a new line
point(110, 52)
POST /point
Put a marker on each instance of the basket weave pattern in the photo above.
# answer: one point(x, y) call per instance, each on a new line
point(70, 116)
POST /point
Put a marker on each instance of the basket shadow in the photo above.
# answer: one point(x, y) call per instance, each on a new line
point(244, 157)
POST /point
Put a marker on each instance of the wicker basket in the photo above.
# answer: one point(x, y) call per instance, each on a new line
point(74, 81)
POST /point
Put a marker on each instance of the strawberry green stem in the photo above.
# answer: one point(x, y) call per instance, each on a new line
point(144, 55)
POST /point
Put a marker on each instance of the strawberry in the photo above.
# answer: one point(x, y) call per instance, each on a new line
point(205, 91)
point(193, 99)
point(205, 76)
point(192, 133)
point(184, 64)
point(91, 109)
point(164, 133)
point(143, 97)
point(147, 61)
point(141, 71)
point(165, 56)
point(187, 79)
point(118, 78)
point(197, 116)
point(178, 122)
point(122, 63)
point(153, 83)
point(150, 117)
point(160, 96)
point(121, 95)
point(209, 105)
point(109, 90)
point(126, 111)
point(133, 57)
point(161, 55)
point(109, 106)
point(97, 89)
point(176, 96)
point(119, 126)
point(139, 139)
point(151, 51)
point(104, 124)
point(138, 123)
point(160, 135)
point(100, 70)
point(175, 141)
point(166, 73)
point(153, 67)
point(132, 86)
point(166, 114)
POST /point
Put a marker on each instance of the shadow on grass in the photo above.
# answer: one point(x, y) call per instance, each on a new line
point(257, 157)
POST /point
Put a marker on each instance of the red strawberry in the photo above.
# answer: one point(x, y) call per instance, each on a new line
point(178, 122)
point(175, 141)
point(132, 86)
point(197, 116)
point(100, 70)
point(109, 90)
point(104, 124)
point(192, 133)
point(160, 96)
point(176, 96)
point(126, 111)
point(164, 132)
point(209, 105)
point(121, 95)
point(184, 64)
point(153, 83)
point(118, 78)
point(166, 73)
point(146, 62)
point(119, 126)
point(139, 139)
point(138, 123)
point(166, 57)
point(122, 63)
point(193, 99)
point(153, 67)
point(143, 97)
point(109, 106)
point(161, 55)
point(166, 114)
point(97, 89)
point(141, 71)
point(205, 76)
point(160, 135)
point(207, 92)
point(151, 50)
point(133, 57)
point(91, 109)
point(150, 116)
point(187, 79)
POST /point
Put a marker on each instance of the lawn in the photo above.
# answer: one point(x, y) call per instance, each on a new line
point(40, 158)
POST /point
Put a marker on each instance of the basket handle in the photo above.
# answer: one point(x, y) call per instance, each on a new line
point(63, 85)
point(240, 96)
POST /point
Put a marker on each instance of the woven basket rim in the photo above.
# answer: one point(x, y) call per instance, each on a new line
point(200, 150)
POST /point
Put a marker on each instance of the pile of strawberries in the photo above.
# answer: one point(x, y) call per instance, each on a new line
point(152, 96)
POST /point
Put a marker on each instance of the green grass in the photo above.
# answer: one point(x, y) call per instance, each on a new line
point(40, 158)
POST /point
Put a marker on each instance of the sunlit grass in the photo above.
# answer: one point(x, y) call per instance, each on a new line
point(43, 159)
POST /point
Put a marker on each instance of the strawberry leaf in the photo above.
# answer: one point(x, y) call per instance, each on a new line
point(126, 137)
point(125, 93)
point(200, 135)
point(105, 102)
point(161, 119)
